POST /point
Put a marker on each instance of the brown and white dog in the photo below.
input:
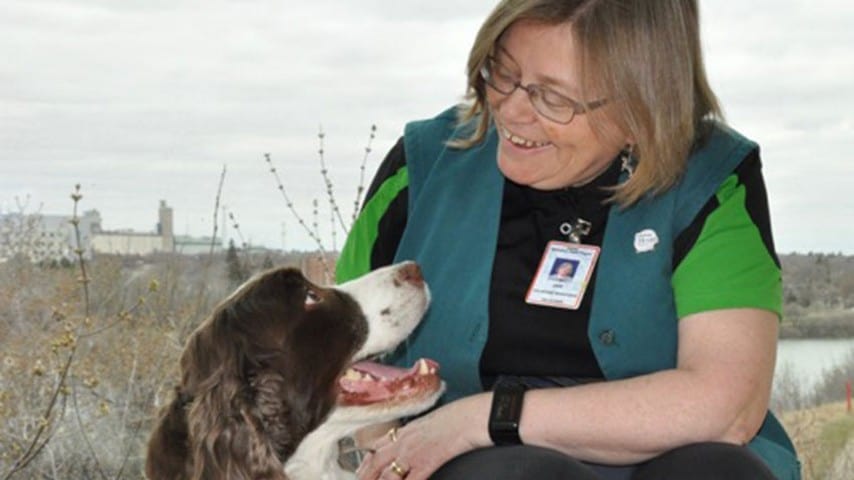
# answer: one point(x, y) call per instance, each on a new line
point(276, 375)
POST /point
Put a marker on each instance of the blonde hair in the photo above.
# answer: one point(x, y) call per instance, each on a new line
point(645, 57)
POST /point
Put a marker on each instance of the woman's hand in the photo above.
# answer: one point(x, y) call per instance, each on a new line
point(418, 449)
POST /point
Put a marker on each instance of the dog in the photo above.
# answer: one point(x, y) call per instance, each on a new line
point(274, 360)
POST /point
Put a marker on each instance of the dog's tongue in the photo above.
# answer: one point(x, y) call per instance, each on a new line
point(369, 382)
point(382, 371)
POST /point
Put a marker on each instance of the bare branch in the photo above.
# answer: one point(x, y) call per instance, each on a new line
point(361, 187)
point(330, 193)
point(290, 205)
point(216, 209)
point(92, 453)
point(236, 227)
point(37, 443)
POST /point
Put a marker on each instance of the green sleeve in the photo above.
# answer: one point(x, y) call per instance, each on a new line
point(355, 258)
point(728, 266)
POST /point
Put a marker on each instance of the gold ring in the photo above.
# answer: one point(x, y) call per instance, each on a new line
point(392, 434)
point(398, 470)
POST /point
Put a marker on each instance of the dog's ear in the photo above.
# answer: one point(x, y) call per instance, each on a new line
point(167, 455)
point(227, 428)
point(229, 438)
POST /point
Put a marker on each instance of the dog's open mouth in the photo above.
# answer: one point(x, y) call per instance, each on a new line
point(366, 383)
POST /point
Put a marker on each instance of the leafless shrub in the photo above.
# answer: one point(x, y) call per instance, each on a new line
point(312, 229)
point(788, 391)
point(21, 236)
point(832, 385)
point(87, 353)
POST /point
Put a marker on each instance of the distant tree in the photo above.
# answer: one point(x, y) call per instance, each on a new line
point(236, 271)
point(846, 289)
point(20, 233)
point(267, 263)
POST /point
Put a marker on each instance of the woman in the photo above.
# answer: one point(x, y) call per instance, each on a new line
point(592, 135)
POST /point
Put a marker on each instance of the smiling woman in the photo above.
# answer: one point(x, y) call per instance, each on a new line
point(564, 151)
point(590, 135)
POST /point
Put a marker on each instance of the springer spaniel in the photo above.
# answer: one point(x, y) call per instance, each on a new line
point(277, 375)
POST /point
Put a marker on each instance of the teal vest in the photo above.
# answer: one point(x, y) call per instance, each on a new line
point(452, 225)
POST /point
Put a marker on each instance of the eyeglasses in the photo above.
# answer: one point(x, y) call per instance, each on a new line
point(548, 103)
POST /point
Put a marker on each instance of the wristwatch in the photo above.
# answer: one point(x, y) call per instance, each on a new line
point(507, 398)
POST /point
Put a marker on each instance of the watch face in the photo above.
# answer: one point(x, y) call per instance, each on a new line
point(508, 406)
point(505, 414)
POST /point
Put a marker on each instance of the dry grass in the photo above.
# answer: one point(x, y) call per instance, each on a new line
point(78, 392)
point(824, 438)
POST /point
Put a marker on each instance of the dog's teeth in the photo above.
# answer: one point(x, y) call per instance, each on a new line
point(352, 375)
point(423, 367)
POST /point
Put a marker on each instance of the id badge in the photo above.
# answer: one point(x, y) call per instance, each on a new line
point(563, 275)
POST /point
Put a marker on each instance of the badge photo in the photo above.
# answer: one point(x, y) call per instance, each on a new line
point(563, 274)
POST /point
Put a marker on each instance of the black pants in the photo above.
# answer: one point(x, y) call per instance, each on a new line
point(701, 461)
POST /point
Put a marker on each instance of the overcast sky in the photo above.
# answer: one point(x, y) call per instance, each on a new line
point(143, 100)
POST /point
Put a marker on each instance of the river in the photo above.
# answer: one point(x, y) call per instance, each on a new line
point(808, 358)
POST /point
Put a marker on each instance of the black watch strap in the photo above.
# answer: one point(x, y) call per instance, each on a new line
point(507, 398)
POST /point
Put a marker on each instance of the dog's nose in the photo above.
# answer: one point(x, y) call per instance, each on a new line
point(410, 272)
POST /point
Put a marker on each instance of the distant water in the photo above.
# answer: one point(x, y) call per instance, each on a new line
point(808, 358)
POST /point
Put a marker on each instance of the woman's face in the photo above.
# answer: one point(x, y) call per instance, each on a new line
point(534, 150)
point(564, 270)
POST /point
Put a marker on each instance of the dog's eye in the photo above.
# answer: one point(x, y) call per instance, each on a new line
point(311, 298)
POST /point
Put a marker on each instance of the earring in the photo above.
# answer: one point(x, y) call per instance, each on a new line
point(628, 161)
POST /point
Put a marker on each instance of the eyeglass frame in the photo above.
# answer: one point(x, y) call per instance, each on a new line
point(534, 91)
